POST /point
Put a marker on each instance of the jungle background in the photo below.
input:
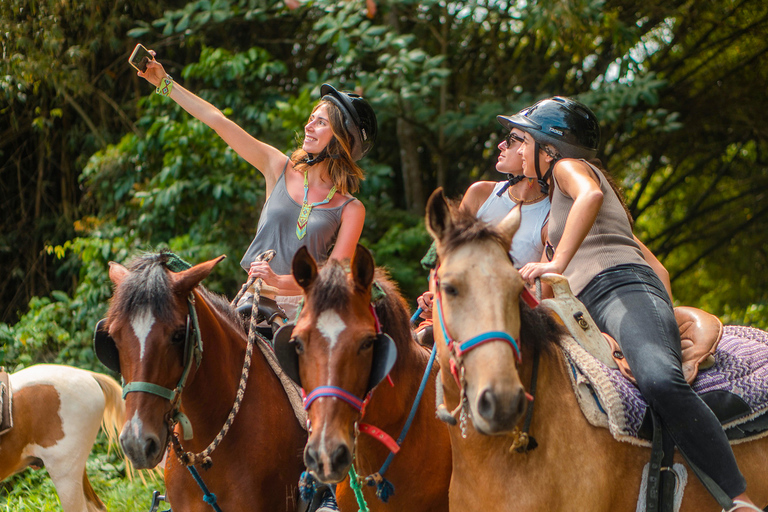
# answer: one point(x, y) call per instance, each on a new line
point(96, 167)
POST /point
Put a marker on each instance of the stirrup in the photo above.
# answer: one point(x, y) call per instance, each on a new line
point(739, 503)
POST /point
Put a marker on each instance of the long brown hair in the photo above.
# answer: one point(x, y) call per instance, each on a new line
point(616, 189)
point(345, 174)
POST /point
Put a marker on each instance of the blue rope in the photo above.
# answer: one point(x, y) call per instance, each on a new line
point(412, 414)
point(416, 315)
point(208, 496)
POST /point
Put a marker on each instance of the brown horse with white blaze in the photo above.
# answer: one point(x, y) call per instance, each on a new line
point(576, 466)
point(257, 464)
point(341, 348)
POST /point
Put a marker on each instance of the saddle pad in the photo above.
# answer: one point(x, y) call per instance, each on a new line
point(6, 419)
point(611, 401)
point(291, 389)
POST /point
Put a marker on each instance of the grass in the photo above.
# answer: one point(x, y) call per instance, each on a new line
point(33, 490)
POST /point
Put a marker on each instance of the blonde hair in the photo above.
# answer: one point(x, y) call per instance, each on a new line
point(345, 174)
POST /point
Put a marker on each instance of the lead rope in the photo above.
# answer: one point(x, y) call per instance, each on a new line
point(203, 458)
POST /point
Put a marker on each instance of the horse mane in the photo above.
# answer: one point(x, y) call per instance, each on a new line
point(392, 309)
point(147, 286)
point(332, 290)
point(465, 229)
point(539, 328)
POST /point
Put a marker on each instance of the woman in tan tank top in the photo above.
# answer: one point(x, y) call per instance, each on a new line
point(612, 273)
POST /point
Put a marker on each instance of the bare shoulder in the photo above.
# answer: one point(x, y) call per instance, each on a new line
point(476, 195)
point(354, 208)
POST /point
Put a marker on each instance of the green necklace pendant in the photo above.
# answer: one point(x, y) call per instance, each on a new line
point(306, 209)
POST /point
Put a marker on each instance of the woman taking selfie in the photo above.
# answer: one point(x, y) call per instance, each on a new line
point(308, 195)
point(610, 271)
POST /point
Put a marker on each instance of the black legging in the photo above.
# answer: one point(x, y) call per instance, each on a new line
point(630, 303)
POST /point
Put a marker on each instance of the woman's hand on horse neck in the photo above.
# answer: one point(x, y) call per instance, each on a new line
point(577, 181)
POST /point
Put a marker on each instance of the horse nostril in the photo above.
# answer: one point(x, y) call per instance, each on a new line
point(341, 457)
point(520, 403)
point(310, 458)
point(151, 447)
point(486, 404)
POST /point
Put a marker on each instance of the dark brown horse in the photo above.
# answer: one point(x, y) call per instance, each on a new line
point(151, 320)
point(576, 466)
point(344, 344)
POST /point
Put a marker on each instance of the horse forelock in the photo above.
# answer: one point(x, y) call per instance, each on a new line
point(147, 287)
point(466, 229)
point(331, 289)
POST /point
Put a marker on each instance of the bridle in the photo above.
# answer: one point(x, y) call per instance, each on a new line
point(106, 351)
point(458, 351)
point(358, 403)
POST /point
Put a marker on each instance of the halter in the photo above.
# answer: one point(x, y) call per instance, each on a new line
point(174, 395)
point(356, 402)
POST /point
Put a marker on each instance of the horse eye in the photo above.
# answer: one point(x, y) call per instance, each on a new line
point(367, 343)
point(298, 346)
point(179, 337)
point(449, 289)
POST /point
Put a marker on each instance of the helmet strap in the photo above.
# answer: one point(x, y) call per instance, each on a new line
point(512, 179)
point(312, 160)
point(542, 180)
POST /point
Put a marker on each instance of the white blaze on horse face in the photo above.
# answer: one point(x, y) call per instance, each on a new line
point(142, 324)
point(330, 325)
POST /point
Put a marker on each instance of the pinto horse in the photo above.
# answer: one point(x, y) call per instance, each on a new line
point(340, 348)
point(576, 466)
point(257, 464)
point(57, 411)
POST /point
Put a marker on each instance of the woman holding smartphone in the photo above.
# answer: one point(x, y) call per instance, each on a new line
point(308, 195)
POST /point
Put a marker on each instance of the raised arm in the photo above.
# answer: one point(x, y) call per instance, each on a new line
point(267, 159)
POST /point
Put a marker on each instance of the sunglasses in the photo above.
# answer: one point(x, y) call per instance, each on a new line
point(513, 137)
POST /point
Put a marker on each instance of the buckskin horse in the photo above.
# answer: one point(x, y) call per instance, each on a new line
point(156, 319)
point(57, 411)
point(343, 345)
point(576, 466)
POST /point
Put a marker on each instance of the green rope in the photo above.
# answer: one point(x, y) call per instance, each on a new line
point(354, 483)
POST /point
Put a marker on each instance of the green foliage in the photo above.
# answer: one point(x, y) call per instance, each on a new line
point(103, 168)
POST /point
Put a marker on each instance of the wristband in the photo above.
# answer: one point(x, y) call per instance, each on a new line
point(165, 87)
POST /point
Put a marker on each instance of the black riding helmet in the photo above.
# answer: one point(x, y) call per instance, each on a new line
point(359, 118)
point(564, 124)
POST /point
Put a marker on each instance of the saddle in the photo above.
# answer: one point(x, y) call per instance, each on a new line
point(6, 419)
point(700, 332)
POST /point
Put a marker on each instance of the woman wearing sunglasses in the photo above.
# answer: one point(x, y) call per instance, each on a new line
point(491, 201)
point(609, 270)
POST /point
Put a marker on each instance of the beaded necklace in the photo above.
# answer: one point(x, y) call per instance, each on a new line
point(306, 208)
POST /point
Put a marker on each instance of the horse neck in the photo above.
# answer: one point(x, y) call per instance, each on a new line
point(390, 405)
point(210, 394)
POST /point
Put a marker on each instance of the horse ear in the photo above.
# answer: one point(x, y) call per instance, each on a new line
point(117, 272)
point(438, 219)
point(510, 223)
point(362, 267)
point(304, 268)
point(183, 282)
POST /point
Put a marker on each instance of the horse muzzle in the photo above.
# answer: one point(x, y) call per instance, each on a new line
point(329, 462)
point(497, 409)
point(143, 448)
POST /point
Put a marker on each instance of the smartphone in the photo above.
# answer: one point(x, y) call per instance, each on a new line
point(140, 58)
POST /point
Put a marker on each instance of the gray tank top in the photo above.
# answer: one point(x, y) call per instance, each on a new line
point(277, 230)
point(608, 243)
point(526, 244)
